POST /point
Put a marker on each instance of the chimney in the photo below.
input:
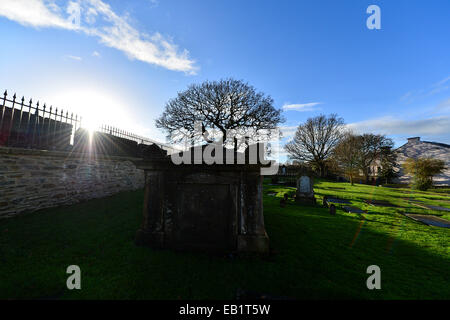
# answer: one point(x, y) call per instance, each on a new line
point(414, 140)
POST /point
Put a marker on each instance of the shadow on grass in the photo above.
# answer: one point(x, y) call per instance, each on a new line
point(315, 256)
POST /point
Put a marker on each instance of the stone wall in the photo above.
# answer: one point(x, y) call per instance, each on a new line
point(34, 179)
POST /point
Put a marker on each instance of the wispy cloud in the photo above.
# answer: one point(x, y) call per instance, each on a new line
point(393, 126)
point(74, 57)
point(153, 3)
point(440, 86)
point(34, 13)
point(96, 54)
point(435, 88)
point(302, 107)
point(97, 19)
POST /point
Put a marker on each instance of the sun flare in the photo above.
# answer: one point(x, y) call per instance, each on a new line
point(95, 107)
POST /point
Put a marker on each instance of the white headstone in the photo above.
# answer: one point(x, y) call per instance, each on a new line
point(304, 184)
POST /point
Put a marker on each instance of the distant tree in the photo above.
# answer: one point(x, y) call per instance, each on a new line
point(346, 154)
point(315, 140)
point(223, 106)
point(423, 170)
point(388, 161)
point(370, 148)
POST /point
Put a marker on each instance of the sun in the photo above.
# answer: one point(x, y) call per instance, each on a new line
point(96, 108)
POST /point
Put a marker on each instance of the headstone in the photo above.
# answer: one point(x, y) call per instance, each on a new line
point(305, 192)
point(325, 202)
point(333, 210)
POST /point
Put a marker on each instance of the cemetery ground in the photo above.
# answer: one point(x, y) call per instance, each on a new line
point(314, 255)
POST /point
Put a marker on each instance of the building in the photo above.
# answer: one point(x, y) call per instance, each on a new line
point(415, 148)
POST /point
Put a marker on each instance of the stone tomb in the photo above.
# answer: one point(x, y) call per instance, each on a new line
point(203, 207)
point(351, 209)
point(429, 220)
point(305, 191)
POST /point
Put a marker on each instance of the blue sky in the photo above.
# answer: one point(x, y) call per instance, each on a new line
point(126, 59)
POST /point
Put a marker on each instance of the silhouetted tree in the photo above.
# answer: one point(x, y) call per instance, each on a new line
point(315, 140)
point(220, 106)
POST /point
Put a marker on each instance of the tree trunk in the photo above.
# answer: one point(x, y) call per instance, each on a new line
point(366, 176)
point(322, 170)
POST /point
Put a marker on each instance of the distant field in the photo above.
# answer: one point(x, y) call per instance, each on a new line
point(315, 255)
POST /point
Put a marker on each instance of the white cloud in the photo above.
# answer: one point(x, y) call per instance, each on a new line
point(96, 54)
point(111, 29)
point(74, 58)
point(393, 126)
point(301, 106)
point(435, 88)
point(442, 82)
point(34, 13)
point(288, 131)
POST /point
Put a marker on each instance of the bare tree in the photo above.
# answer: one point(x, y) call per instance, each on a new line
point(346, 154)
point(315, 140)
point(220, 106)
point(372, 147)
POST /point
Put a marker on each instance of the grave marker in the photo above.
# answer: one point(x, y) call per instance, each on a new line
point(305, 191)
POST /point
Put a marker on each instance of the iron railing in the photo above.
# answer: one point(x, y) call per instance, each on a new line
point(33, 126)
point(133, 137)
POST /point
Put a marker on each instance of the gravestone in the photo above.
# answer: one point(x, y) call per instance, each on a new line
point(305, 191)
point(325, 202)
point(333, 210)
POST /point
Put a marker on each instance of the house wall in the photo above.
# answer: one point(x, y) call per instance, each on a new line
point(34, 179)
point(415, 148)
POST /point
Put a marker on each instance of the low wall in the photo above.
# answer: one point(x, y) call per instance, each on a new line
point(34, 179)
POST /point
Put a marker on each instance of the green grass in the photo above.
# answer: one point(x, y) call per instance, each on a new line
point(316, 256)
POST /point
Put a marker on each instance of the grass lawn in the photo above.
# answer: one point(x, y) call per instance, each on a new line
point(316, 255)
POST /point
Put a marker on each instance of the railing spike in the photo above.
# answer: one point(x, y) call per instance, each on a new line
point(23, 99)
point(6, 93)
point(14, 96)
